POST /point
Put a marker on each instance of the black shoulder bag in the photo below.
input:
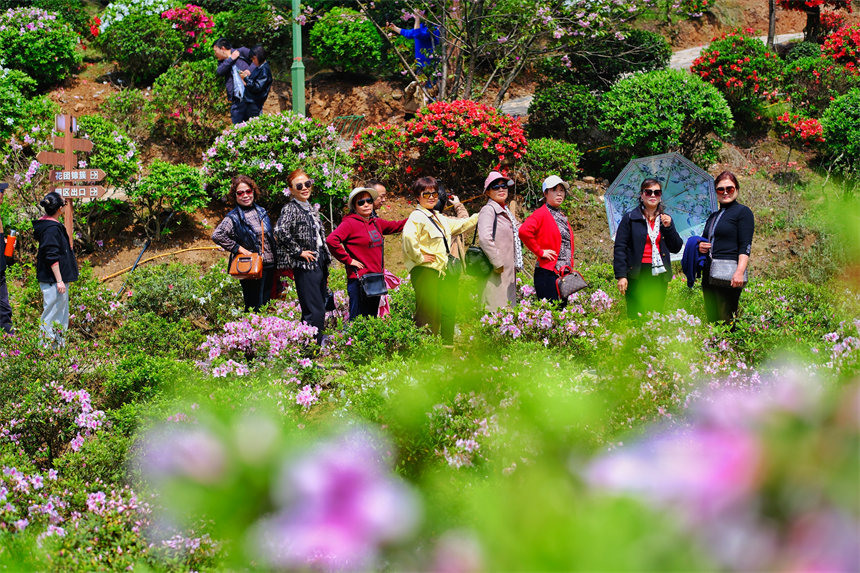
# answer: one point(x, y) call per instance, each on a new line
point(454, 265)
point(373, 284)
point(477, 262)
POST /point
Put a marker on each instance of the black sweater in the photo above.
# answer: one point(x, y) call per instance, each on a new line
point(734, 234)
point(258, 84)
point(54, 247)
point(630, 239)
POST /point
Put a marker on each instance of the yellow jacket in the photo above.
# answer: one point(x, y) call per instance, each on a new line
point(421, 236)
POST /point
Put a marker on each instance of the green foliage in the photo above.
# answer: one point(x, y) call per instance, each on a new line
point(255, 22)
point(598, 62)
point(161, 336)
point(663, 111)
point(72, 11)
point(370, 339)
point(188, 102)
point(21, 111)
point(346, 41)
point(113, 151)
point(99, 220)
point(215, 6)
point(742, 68)
point(563, 111)
point(267, 148)
point(129, 109)
point(803, 50)
point(176, 291)
point(101, 458)
point(136, 377)
point(841, 123)
point(39, 44)
point(547, 157)
point(167, 187)
point(144, 46)
point(811, 83)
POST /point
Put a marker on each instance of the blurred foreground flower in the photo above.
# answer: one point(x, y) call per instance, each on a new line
point(340, 503)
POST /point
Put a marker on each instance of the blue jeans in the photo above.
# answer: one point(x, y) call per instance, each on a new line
point(56, 312)
point(359, 303)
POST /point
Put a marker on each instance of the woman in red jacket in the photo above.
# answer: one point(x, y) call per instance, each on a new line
point(358, 244)
point(547, 234)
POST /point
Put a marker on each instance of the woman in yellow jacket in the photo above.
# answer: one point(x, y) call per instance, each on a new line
point(427, 249)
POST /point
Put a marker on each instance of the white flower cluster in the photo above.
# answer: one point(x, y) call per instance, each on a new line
point(116, 11)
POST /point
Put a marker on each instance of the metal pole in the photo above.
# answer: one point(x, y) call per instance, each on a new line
point(298, 67)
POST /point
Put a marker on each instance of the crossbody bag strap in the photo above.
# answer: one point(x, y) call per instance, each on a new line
point(495, 223)
point(712, 233)
point(438, 228)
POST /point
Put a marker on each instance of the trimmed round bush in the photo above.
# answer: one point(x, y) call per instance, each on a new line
point(380, 151)
point(113, 151)
point(599, 62)
point(346, 41)
point(267, 148)
point(143, 45)
point(810, 84)
point(843, 47)
point(562, 111)
point(190, 111)
point(803, 50)
point(742, 68)
point(841, 124)
point(663, 111)
point(167, 187)
point(38, 43)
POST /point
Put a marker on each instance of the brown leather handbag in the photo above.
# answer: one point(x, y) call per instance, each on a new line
point(248, 266)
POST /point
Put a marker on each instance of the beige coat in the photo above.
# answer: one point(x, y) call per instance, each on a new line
point(501, 288)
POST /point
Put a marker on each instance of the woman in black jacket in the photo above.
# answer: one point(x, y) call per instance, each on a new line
point(55, 267)
point(642, 277)
point(245, 230)
point(729, 232)
point(257, 83)
point(301, 247)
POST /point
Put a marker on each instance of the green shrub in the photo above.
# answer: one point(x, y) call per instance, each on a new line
point(72, 11)
point(663, 111)
point(129, 110)
point(562, 111)
point(39, 44)
point(215, 6)
point(136, 377)
point(810, 84)
point(547, 157)
point(174, 339)
point(102, 219)
point(254, 22)
point(841, 123)
point(143, 45)
point(20, 111)
point(167, 187)
point(191, 111)
point(101, 458)
point(599, 62)
point(803, 50)
point(113, 151)
point(742, 68)
point(372, 339)
point(346, 41)
point(267, 148)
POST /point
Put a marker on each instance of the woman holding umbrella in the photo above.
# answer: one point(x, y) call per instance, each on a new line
point(645, 237)
point(730, 232)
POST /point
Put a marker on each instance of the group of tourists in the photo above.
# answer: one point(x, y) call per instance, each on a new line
point(433, 248)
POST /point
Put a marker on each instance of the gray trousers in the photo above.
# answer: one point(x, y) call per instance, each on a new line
point(56, 311)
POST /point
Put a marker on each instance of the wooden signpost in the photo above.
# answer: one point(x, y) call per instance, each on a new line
point(71, 182)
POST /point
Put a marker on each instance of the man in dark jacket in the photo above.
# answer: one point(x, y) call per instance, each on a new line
point(5, 308)
point(227, 58)
point(258, 82)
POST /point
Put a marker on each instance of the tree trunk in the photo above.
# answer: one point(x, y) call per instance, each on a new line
point(771, 23)
point(813, 24)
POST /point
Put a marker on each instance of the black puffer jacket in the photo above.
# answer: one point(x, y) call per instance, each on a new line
point(54, 246)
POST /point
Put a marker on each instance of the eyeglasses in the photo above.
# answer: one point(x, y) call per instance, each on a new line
point(244, 192)
point(725, 190)
point(429, 194)
point(365, 201)
point(652, 192)
point(306, 185)
point(502, 185)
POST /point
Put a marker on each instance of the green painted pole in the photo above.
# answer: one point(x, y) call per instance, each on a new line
point(298, 67)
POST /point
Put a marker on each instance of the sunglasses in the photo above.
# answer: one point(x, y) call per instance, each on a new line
point(244, 192)
point(502, 185)
point(725, 190)
point(306, 185)
point(365, 201)
point(652, 192)
point(429, 194)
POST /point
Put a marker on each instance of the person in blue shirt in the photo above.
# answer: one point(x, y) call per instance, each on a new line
point(425, 40)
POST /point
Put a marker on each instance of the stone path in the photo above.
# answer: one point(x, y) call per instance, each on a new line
point(681, 60)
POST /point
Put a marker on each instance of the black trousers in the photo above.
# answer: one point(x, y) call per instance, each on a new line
point(312, 290)
point(435, 301)
point(5, 308)
point(257, 292)
point(359, 303)
point(238, 112)
point(645, 293)
point(721, 303)
point(545, 286)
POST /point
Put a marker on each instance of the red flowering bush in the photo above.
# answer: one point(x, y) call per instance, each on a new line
point(804, 4)
point(194, 23)
point(695, 8)
point(843, 46)
point(831, 21)
point(742, 68)
point(810, 84)
point(459, 142)
point(799, 131)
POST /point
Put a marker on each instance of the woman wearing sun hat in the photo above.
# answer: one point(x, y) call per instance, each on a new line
point(548, 235)
point(358, 243)
point(498, 238)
